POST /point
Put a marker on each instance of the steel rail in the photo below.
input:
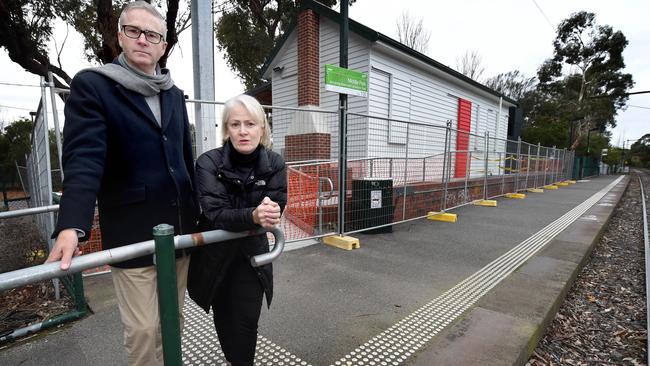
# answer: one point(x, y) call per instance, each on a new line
point(647, 261)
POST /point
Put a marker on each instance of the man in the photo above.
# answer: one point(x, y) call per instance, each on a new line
point(127, 145)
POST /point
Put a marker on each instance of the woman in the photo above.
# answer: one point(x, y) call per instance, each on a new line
point(241, 186)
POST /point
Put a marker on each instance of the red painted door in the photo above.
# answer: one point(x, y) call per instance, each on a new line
point(462, 137)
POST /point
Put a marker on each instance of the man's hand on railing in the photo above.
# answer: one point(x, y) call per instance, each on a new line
point(65, 248)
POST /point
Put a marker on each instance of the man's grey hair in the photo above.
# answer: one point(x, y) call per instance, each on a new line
point(146, 7)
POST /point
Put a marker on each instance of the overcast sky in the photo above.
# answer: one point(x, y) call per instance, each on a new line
point(509, 35)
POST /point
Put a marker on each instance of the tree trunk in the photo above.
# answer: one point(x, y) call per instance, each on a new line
point(107, 27)
point(172, 36)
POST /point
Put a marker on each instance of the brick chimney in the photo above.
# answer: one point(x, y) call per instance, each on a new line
point(308, 137)
point(308, 52)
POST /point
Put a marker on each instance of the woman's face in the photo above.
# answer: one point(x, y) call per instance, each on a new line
point(244, 133)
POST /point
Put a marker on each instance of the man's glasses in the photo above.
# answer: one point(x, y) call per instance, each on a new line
point(135, 32)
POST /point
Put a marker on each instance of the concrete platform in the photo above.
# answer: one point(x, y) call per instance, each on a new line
point(392, 300)
point(507, 323)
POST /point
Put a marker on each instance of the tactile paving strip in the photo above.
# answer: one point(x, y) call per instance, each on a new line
point(396, 344)
point(200, 345)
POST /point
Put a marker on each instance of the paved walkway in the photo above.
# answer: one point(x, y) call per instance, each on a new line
point(477, 292)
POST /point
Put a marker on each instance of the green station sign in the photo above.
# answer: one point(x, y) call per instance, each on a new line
point(340, 80)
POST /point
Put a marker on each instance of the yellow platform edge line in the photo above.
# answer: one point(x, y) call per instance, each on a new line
point(442, 216)
point(519, 196)
point(342, 242)
point(485, 203)
point(550, 186)
point(536, 190)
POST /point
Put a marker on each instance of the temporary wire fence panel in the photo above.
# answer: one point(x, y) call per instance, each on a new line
point(524, 166)
point(38, 172)
point(39, 177)
point(301, 134)
point(206, 119)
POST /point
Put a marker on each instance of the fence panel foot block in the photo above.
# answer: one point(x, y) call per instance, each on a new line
point(440, 216)
point(536, 190)
point(550, 186)
point(342, 242)
point(562, 184)
point(519, 196)
point(485, 203)
point(571, 181)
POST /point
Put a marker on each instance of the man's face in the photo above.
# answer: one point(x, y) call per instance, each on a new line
point(140, 52)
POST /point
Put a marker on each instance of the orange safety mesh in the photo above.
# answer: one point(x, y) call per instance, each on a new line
point(302, 205)
point(94, 244)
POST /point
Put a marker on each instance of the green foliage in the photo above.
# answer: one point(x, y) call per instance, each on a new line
point(614, 155)
point(17, 135)
point(247, 32)
point(545, 119)
point(27, 28)
point(639, 153)
point(548, 134)
point(14, 145)
point(595, 87)
point(597, 142)
point(513, 84)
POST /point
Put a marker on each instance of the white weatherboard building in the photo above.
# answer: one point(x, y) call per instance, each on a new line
point(403, 86)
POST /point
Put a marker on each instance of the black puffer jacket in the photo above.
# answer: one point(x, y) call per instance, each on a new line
point(228, 203)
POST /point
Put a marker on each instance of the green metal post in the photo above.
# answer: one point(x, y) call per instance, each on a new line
point(343, 117)
point(165, 261)
point(79, 298)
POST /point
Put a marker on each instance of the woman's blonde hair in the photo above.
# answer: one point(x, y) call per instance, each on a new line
point(256, 111)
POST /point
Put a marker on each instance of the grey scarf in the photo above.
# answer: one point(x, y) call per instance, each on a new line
point(145, 84)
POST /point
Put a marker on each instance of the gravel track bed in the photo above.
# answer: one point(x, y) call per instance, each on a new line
point(603, 318)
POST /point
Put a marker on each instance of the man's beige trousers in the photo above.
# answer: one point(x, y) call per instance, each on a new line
point(137, 297)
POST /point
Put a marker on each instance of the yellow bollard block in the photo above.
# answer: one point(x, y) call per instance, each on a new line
point(519, 196)
point(550, 186)
point(342, 242)
point(485, 203)
point(536, 190)
point(442, 216)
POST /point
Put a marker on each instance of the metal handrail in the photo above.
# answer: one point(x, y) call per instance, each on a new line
point(21, 277)
point(28, 211)
point(331, 191)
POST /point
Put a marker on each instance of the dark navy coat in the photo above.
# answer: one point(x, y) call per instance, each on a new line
point(227, 203)
point(115, 152)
